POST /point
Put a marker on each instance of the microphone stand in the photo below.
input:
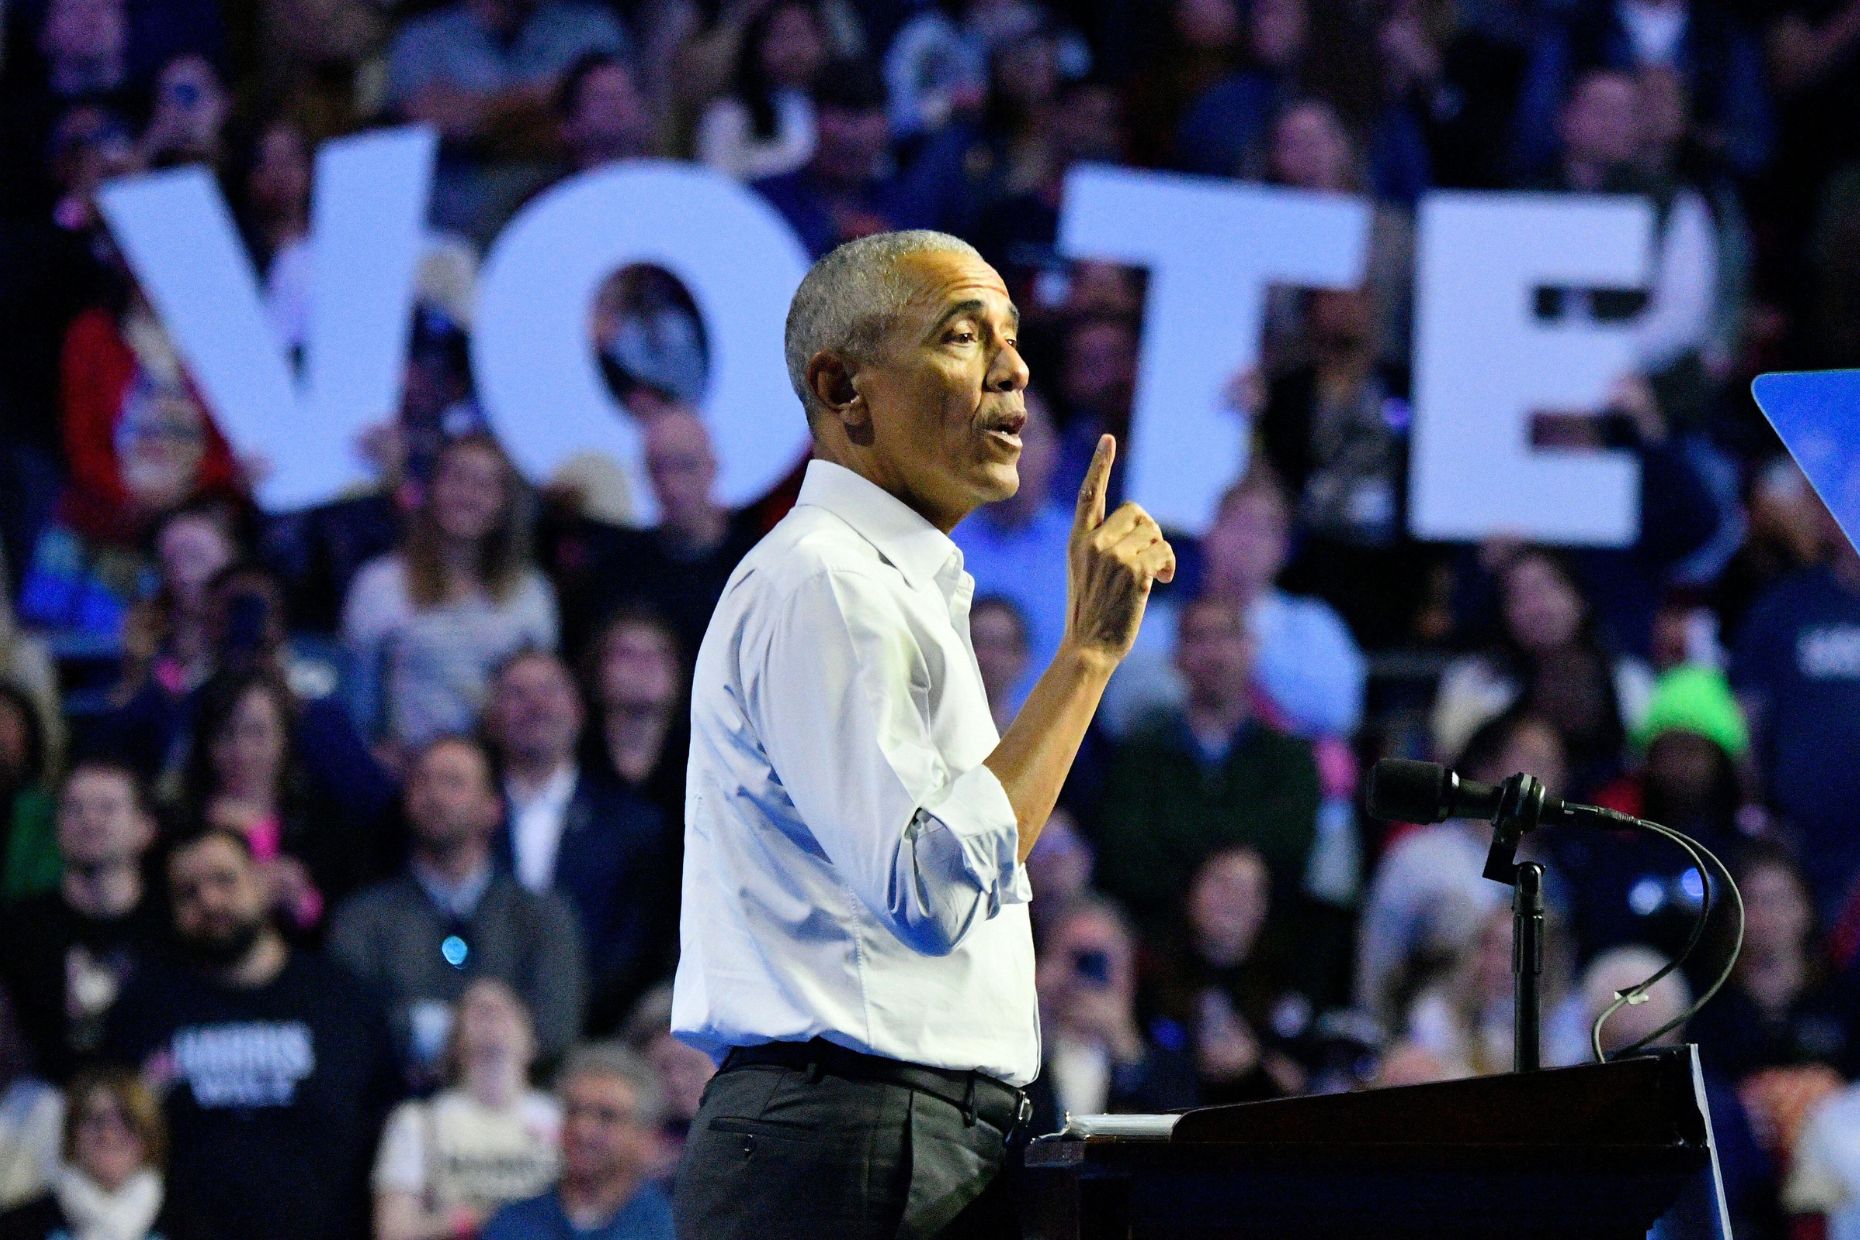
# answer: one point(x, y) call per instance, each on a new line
point(1520, 809)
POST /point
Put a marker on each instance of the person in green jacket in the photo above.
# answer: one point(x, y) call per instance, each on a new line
point(28, 833)
point(1203, 776)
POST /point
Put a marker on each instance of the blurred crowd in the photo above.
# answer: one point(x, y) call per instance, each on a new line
point(339, 848)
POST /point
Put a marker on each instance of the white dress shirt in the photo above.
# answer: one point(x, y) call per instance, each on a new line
point(536, 825)
point(850, 868)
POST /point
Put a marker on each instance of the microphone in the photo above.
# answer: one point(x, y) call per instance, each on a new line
point(1404, 791)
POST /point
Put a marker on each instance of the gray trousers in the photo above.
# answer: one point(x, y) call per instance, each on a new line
point(785, 1154)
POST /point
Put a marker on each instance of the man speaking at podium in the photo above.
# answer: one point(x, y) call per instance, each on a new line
point(856, 949)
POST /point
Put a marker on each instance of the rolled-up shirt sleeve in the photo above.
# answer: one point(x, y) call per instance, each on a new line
point(838, 689)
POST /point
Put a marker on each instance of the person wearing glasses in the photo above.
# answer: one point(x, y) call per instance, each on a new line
point(110, 1183)
point(612, 1107)
point(454, 915)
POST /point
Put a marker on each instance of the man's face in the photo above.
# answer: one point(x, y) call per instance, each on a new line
point(84, 30)
point(1249, 541)
point(190, 550)
point(681, 463)
point(602, 1137)
point(639, 668)
point(1230, 896)
point(219, 899)
point(849, 143)
point(1088, 952)
point(945, 393)
point(1101, 368)
point(1000, 648)
point(1214, 651)
point(450, 800)
point(534, 710)
point(610, 114)
point(1601, 124)
point(99, 820)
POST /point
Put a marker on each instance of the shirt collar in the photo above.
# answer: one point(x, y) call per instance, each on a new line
point(923, 553)
point(458, 899)
point(556, 791)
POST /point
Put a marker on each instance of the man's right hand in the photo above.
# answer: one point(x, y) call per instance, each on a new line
point(1113, 563)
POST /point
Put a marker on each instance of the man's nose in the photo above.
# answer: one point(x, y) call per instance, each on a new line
point(1009, 373)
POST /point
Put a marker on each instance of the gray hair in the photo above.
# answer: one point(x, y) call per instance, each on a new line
point(848, 299)
point(611, 1059)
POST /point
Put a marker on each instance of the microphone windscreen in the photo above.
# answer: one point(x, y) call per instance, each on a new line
point(1405, 791)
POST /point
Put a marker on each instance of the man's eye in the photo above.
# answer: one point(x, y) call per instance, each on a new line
point(962, 337)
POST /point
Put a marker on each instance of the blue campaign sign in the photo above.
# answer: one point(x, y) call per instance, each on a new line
point(1817, 415)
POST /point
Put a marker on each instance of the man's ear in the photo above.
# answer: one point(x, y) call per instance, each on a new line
point(830, 378)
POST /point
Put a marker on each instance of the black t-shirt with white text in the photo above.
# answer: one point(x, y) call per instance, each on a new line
point(274, 1094)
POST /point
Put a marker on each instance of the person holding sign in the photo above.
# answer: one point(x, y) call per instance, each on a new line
point(856, 952)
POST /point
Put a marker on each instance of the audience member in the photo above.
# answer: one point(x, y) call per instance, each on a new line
point(765, 126)
point(314, 841)
point(268, 183)
point(1201, 44)
point(28, 843)
point(654, 359)
point(65, 954)
point(1208, 774)
point(425, 625)
point(1060, 870)
point(678, 566)
point(1309, 147)
point(26, 665)
point(447, 1163)
point(418, 939)
point(1429, 896)
point(998, 634)
point(1462, 1016)
point(1293, 47)
point(1334, 427)
point(1019, 233)
point(1221, 986)
point(1308, 669)
point(1016, 548)
point(1097, 383)
point(483, 73)
point(641, 735)
point(604, 114)
point(1782, 1007)
point(1601, 130)
point(30, 1113)
point(599, 843)
point(1706, 45)
point(1797, 671)
point(611, 1109)
point(137, 441)
point(114, 1153)
point(845, 189)
point(274, 1067)
point(1096, 1056)
point(154, 731)
point(682, 1073)
point(1550, 657)
point(166, 635)
point(188, 121)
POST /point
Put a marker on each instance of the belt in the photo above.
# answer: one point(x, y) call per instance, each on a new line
point(976, 1094)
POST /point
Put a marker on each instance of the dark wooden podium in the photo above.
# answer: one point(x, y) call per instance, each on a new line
point(1590, 1153)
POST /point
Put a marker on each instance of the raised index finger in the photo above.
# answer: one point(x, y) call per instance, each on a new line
point(1097, 482)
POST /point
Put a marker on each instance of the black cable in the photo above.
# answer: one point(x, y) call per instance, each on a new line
point(1700, 856)
point(1637, 993)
